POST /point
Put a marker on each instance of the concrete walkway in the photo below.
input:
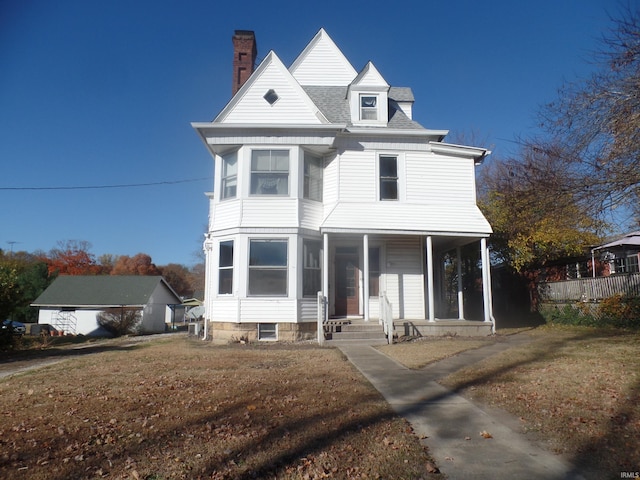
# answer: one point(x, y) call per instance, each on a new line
point(451, 424)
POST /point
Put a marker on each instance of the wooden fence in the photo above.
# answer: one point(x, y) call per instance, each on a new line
point(590, 289)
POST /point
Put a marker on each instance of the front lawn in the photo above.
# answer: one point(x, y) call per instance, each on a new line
point(183, 408)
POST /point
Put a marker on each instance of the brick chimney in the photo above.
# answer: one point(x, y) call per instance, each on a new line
point(244, 57)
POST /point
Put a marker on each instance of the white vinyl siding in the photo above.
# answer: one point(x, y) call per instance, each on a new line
point(357, 177)
point(292, 107)
point(403, 279)
point(436, 179)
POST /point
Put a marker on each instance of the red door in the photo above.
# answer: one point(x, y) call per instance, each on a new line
point(347, 286)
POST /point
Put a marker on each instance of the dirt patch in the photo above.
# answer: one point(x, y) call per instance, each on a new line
point(183, 408)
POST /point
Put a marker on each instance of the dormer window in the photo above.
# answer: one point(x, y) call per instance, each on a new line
point(368, 107)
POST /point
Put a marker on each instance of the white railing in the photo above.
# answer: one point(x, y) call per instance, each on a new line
point(386, 317)
point(590, 289)
point(322, 316)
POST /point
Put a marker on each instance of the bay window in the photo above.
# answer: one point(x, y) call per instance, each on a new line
point(229, 175)
point(312, 177)
point(268, 267)
point(270, 172)
point(225, 268)
point(311, 278)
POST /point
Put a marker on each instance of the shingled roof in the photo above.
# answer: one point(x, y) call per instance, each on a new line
point(333, 103)
point(101, 291)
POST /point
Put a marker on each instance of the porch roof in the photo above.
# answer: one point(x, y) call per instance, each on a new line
point(406, 219)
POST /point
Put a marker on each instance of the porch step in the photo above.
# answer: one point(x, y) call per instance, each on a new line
point(348, 330)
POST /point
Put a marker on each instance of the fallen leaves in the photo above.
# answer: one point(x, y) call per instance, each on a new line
point(485, 434)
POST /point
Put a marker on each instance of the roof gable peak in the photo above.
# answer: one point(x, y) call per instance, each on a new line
point(271, 95)
point(322, 63)
point(369, 76)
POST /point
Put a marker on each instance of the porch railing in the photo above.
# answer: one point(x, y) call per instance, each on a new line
point(386, 317)
point(590, 289)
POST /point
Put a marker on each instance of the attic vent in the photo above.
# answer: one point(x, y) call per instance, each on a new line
point(271, 96)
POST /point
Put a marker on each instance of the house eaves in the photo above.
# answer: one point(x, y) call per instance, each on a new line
point(477, 153)
point(389, 132)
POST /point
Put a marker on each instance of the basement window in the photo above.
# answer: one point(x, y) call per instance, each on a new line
point(268, 331)
point(271, 96)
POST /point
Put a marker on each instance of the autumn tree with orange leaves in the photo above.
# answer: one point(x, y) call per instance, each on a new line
point(139, 264)
point(72, 257)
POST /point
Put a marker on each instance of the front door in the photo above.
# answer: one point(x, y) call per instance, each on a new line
point(347, 285)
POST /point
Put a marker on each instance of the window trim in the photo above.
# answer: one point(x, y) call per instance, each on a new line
point(317, 270)
point(265, 268)
point(388, 179)
point(273, 337)
point(307, 178)
point(225, 268)
point(225, 178)
point(364, 109)
point(271, 171)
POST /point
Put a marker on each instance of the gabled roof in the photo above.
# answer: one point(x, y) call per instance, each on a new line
point(292, 105)
point(322, 63)
point(101, 291)
point(369, 76)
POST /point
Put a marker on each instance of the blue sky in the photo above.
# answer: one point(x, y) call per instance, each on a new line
point(102, 93)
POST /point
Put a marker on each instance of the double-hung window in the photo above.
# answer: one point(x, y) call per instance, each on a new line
point(368, 107)
point(270, 172)
point(311, 278)
point(268, 267)
point(388, 177)
point(229, 175)
point(312, 177)
point(225, 268)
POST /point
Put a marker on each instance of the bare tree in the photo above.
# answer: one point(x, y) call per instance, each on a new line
point(596, 124)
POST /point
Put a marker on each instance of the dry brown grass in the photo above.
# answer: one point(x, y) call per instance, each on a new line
point(577, 390)
point(426, 350)
point(187, 409)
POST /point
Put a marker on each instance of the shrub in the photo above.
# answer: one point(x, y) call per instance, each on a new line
point(572, 315)
point(120, 321)
point(621, 311)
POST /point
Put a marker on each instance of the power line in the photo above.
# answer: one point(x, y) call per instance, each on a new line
point(97, 187)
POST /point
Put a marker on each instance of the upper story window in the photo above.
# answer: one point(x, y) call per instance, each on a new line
point(388, 178)
point(270, 172)
point(368, 107)
point(229, 175)
point(312, 177)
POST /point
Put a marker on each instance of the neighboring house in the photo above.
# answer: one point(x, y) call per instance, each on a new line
point(621, 255)
point(72, 303)
point(324, 183)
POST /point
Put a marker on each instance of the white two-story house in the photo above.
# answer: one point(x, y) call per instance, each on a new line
point(324, 183)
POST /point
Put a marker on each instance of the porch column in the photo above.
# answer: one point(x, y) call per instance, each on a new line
point(365, 277)
point(486, 280)
point(325, 273)
point(430, 295)
point(460, 283)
